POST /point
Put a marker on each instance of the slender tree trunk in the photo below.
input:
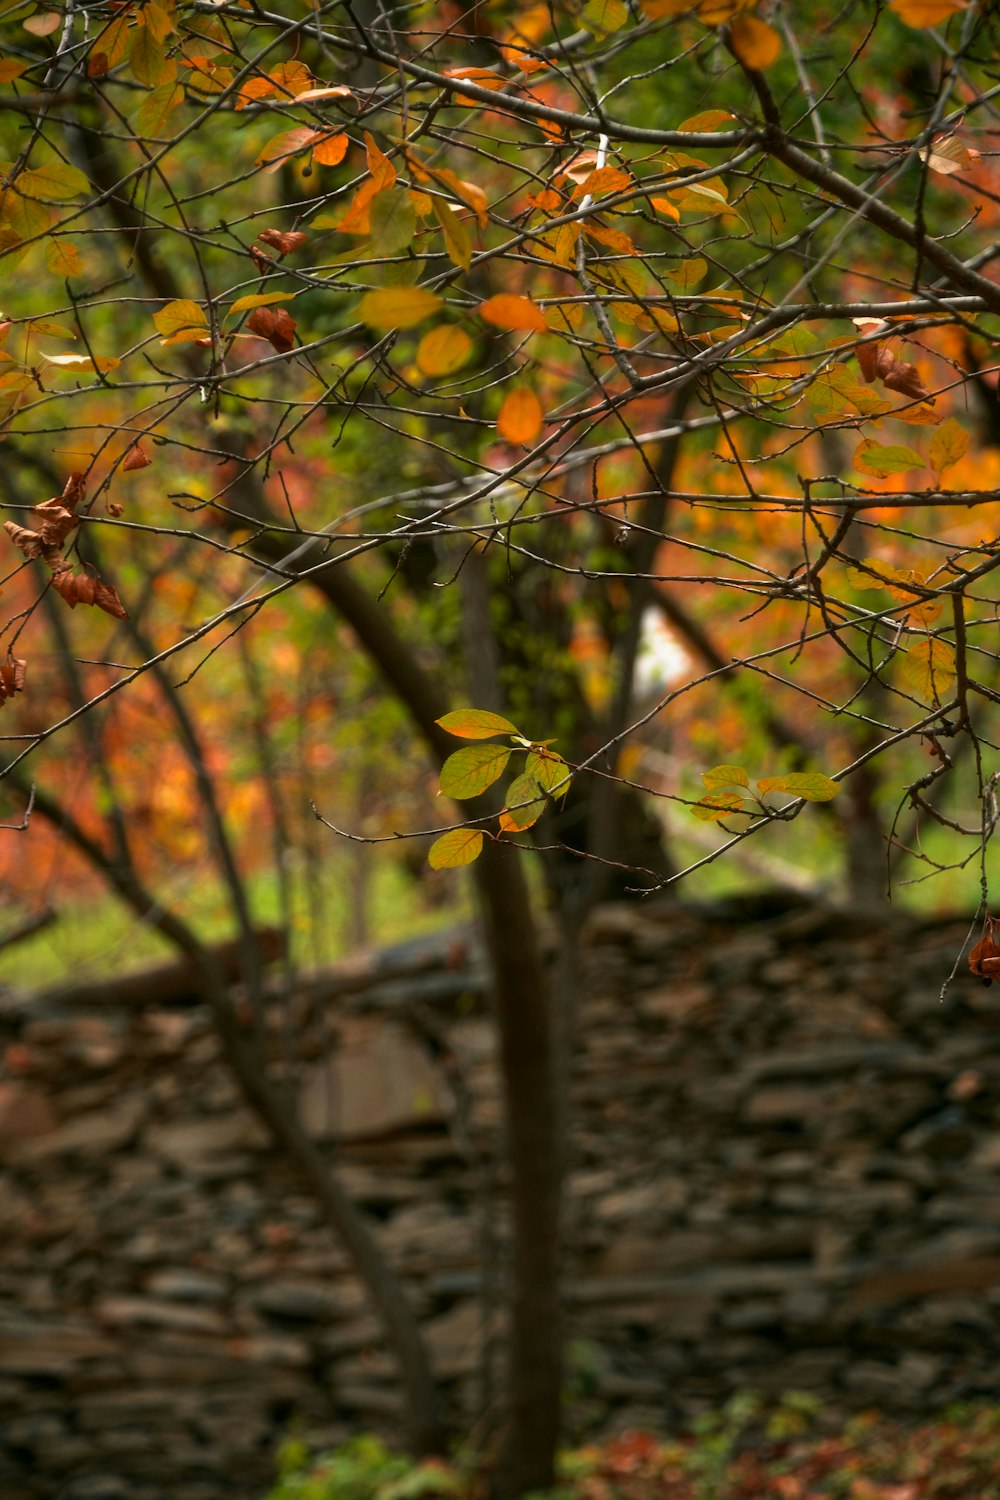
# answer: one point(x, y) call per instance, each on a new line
point(527, 1049)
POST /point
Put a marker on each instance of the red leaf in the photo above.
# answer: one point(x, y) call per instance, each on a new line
point(275, 325)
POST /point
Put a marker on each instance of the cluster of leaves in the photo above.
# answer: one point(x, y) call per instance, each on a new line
point(505, 264)
point(472, 771)
point(808, 786)
point(744, 1452)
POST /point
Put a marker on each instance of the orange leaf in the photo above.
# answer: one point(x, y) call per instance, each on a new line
point(923, 13)
point(518, 314)
point(756, 44)
point(382, 170)
point(520, 418)
point(331, 149)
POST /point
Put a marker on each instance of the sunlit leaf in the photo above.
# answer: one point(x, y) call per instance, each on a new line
point(259, 299)
point(471, 771)
point(811, 786)
point(81, 361)
point(549, 770)
point(181, 321)
point(885, 459)
point(476, 724)
point(724, 775)
point(718, 806)
point(460, 846)
point(929, 669)
point(525, 804)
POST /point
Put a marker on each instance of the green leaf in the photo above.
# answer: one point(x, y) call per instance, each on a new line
point(525, 804)
point(155, 110)
point(470, 771)
point(460, 846)
point(393, 221)
point(882, 460)
point(720, 776)
point(549, 770)
point(811, 786)
point(476, 724)
point(713, 809)
point(930, 668)
point(54, 183)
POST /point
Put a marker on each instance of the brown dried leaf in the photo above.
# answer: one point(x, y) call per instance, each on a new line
point(74, 490)
point(283, 242)
point(12, 675)
point(135, 458)
point(54, 522)
point(75, 588)
point(106, 598)
point(275, 325)
point(28, 542)
point(907, 379)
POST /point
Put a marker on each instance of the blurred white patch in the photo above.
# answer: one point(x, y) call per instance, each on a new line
point(661, 661)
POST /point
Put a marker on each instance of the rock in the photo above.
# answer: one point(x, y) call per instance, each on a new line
point(379, 1080)
point(190, 1143)
point(24, 1112)
point(93, 1134)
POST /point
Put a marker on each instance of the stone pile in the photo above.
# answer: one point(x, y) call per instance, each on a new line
point(785, 1175)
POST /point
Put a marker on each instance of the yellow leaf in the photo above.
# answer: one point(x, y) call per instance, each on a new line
point(517, 314)
point(456, 237)
point(81, 361)
point(53, 183)
point(9, 69)
point(460, 846)
point(443, 351)
point(261, 299)
point(520, 418)
point(63, 258)
point(948, 445)
point(181, 322)
point(398, 307)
